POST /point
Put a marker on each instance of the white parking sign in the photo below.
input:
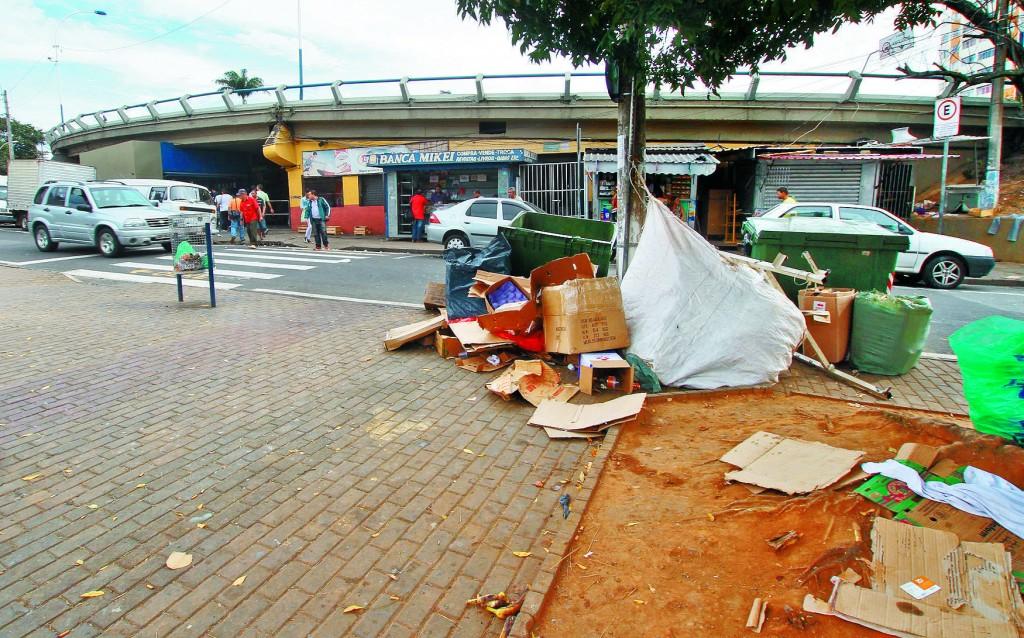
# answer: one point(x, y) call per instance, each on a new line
point(947, 117)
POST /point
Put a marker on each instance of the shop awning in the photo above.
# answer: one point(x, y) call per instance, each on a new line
point(849, 157)
point(685, 160)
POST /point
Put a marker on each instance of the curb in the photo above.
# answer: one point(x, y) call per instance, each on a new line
point(357, 248)
point(1006, 283)
point(538, 591)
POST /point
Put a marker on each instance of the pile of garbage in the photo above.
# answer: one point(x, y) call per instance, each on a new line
point(561, 317)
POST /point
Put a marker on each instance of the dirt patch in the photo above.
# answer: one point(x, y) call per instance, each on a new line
point(678, 552)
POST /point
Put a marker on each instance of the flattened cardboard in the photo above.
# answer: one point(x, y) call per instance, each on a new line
point(908, 507)
point(534, 380)
point(602, 364)
point(580, 418)
point(790, 466)
point(395, 338)
point(470, 335)
point(480, 363)
point(584, 315)
point(977, 597)
point(434, 296)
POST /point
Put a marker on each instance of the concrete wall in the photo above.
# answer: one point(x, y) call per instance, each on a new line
point(127, 159)
point(976, 229)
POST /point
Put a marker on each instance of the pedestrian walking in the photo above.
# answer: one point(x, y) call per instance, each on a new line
point(223, 202)
point(418, 205)
point(250, 210)
point(265, 208)
point(319, 212)
point(235, 218)
point(304, 216)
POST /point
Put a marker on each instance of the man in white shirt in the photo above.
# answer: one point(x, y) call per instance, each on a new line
point(223, 202)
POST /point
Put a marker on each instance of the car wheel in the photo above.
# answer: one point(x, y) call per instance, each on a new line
point(944, 272)
point(456, 240)
point(108, 243)
point(23, 221)
point(166, 246)
point(43, 240)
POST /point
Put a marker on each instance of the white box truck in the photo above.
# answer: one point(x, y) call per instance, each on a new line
point(25, 176)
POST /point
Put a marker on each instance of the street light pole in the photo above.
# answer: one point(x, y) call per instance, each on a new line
point(56, 54)
point(995, 110)
point(10, 137)
point(298, 6)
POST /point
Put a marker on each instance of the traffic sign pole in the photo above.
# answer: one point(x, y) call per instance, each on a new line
point(942, 187)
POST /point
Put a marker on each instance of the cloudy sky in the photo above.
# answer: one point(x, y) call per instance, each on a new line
point(150, 49)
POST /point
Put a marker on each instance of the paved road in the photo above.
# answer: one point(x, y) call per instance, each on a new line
point(391, 277)
point(396, 278)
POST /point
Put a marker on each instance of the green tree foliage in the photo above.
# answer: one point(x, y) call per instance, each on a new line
point(674, 43)
point(26, 137)
point(238, 81)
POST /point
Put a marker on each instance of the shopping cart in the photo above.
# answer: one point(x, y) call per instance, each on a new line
point(192, 248)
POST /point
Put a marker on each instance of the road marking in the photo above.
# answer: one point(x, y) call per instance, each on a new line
point(253, 264)
point(308, 260)
point(310, 295)
point(143, 279)
point(244, 274)
point(967, 292)
point(407, 256)
point(49, 259)
point(297, 251)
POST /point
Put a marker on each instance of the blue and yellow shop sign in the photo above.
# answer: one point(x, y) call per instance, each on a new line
point(478, 156)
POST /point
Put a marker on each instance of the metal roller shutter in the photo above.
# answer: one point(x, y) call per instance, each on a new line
point(813, 181)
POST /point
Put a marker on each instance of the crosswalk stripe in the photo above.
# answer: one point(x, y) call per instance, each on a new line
point(144, 279)
point(254, 255)
point(243, 274)
point(253, 264)
point(298, 252)
point(48, 259)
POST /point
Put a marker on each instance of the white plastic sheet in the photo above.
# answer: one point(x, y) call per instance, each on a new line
point(700, 321)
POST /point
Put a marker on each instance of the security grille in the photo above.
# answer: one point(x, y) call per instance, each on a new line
point(556, 188)
point(811, 181)
point(895, 188)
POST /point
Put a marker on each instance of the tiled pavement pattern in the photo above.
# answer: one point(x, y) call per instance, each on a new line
point(935, 384)
point(328, 465)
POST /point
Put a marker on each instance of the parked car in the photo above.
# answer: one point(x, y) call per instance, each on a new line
point(474, 222)
point(939, 260)
point(174, 196)
point(110, 217)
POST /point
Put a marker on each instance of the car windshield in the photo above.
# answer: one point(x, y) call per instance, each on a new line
point(119, 196)
point(3, 192)
point(770, 212)
point(189, 194)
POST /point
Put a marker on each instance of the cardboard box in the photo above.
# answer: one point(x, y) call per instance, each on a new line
point(602, 365)
point(521, 319)
point(830, 325)
point(447, 346)
point(584, 315)
point(908, 507)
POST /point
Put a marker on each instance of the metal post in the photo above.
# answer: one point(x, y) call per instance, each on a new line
point(995, 111)
point(942, 184)
point(298, 7)
point(10, 136)
point(209, 264)
point(181, 289)
point(581, 207)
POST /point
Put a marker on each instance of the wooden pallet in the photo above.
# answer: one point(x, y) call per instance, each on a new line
point(360, 230)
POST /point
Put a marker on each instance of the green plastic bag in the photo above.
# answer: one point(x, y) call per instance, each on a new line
point(889, 332)
point(990, 352)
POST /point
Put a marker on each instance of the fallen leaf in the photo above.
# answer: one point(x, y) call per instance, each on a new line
point(393, 597)
point(639, 602)
point(79, 562)
point(177, 560)
point(148, 586)
point(31, 477)
point(93, 506)
point(375, 535)
point(92, 594)
point(466, 450)
point(632, 524)
point(523, 554)
point(104, 567)
point(651, 587)
point(199, 507)
point(392, 577)
point(238, 581)
point(64, 633)
point(200, 525)
point(581, 566)
point(140, 485)
point(539, 484)
point(352, 608)
point(711, 517)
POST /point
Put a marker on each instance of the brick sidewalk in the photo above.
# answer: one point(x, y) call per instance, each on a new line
point(335, 474)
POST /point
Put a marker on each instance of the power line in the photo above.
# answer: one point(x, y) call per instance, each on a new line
point(164, 34)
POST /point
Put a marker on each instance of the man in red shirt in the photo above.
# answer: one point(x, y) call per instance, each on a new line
point(250, 209)
point(418, 204)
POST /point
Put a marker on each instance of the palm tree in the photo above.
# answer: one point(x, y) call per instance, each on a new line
point(239, 81)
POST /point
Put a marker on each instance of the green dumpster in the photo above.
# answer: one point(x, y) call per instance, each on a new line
point(858, 254)
point(537, 238)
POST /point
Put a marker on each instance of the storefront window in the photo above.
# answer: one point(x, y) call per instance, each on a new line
point(330, 188)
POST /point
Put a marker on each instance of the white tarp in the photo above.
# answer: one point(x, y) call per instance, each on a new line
point(700, 321)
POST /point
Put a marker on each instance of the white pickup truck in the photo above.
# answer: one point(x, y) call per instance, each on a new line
point(24, 178)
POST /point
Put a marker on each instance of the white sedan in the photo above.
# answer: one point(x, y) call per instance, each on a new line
point(474, 222)
point(941, 261)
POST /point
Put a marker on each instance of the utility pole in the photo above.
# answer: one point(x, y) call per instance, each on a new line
point(995, 112)
point(10, 137)
point(298, 7)
point(631, 141)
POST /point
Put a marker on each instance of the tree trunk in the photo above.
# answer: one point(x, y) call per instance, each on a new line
point(632, 138)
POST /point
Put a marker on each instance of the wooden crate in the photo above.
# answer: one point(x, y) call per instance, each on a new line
point(360, 230)
point(334, 230)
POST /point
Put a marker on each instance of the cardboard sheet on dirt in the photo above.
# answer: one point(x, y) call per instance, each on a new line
point(534, 380)
point(975, 595)
point(587, 418)
point(788, 465)
point(700, 321)
point(397, 337)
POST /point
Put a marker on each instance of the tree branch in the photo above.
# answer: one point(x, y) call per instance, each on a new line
point(961, 81)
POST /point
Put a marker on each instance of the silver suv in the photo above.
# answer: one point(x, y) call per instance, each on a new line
point(110, 216)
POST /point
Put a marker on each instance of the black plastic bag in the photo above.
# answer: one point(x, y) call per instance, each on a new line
point(460, 266)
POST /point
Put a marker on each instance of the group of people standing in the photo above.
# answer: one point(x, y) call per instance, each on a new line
point(244, 214)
